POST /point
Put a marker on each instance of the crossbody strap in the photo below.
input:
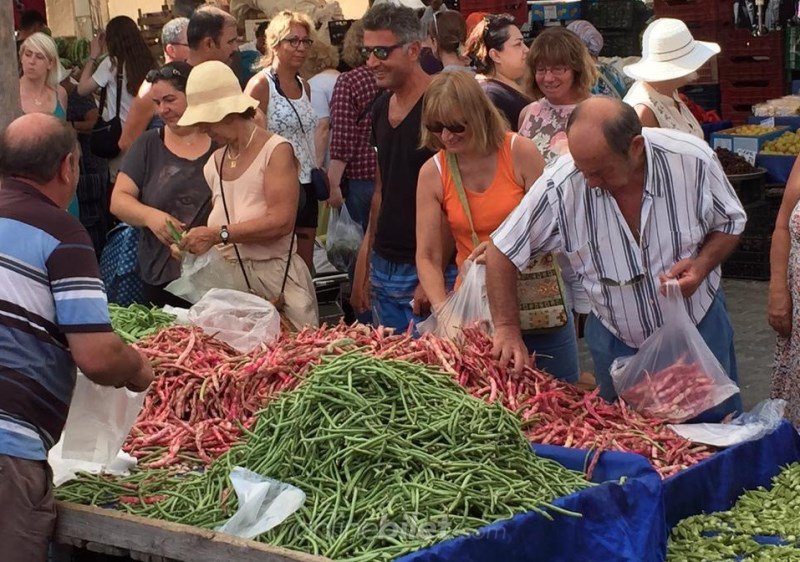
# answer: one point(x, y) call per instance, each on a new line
point(119, 90)
point(278, 89)
point(455, 173)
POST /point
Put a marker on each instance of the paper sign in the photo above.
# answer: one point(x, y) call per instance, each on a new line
point(748, 155)
point(550, 13)
point(768, 122)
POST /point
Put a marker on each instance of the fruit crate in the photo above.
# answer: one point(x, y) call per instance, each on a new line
point(761, 217)
point(517, 9)
point(614, 14)
point(687, 10)
point(749, 187)
point(737, 139)
point(553, 11)
point(621, 44)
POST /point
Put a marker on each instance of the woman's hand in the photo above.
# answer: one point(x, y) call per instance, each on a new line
point(97, 45)
point(478, 255)
point(199, 240)
point(157, 224)
point(779, 308)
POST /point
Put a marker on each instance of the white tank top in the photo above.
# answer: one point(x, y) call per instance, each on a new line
point(282, 120)
point(667, 114)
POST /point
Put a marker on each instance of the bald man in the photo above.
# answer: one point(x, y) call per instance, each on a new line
point(53, 317)
point(630, 208)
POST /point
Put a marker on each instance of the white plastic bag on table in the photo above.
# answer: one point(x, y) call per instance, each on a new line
point(241, 320)
point(674, 376)
point(99, 420)
point(264, 503)
point(343, 240)
point(469, 304)
point(755, 424)
point(200, 274)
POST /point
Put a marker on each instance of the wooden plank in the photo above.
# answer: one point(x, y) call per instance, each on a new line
point(114, 531)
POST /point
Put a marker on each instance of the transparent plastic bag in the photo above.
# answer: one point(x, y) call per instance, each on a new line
point(468, 305)
point(264, 503)
point(755, 424)
point(674, 376)
point(199, 274)
point(241, 320)
point(99, 420)
point(343, 240)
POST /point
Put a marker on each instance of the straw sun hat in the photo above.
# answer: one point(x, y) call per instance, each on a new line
point(669, 52)
point(212, 93)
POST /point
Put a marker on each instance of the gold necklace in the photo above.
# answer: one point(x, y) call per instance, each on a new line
point(232, 159)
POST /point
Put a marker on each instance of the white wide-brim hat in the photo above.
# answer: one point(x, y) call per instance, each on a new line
point(212, 93)
point(669, 52)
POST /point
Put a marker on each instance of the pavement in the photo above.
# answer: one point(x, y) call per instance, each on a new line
point(754, 340)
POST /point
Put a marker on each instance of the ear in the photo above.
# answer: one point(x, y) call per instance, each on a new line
point(637, 147)
point(494, 55)
point(65, 171)
point(169, 49)
point(209, 43)
point(414, 49)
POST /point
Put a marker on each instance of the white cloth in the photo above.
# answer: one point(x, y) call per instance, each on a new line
point(686, 197)
point(321, 92)
point(668, 115)
point(284, 121)
point(106, 77)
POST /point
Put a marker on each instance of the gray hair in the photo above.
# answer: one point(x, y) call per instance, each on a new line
point(36, 157)
point(173, 31)
point(400, 20)
point(618, 130)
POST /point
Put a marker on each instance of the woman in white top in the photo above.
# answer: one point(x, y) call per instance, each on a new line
point(670, 59)
point(285, 99)
point(321, 67)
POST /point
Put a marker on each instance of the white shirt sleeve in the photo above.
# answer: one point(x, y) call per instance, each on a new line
point(102, 75)
point(722, 209)
point(531, 229)
point(321, 93)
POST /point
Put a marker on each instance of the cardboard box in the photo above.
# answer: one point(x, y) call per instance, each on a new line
point(551, 10)
point(747, 146)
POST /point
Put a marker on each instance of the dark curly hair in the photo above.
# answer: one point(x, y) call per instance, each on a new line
point(492, 32)
point(127, 50)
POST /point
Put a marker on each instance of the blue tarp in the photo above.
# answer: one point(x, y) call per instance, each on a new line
point(620, 523)
point(716, 483)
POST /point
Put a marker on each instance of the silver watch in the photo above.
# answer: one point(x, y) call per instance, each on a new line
point(224, 235)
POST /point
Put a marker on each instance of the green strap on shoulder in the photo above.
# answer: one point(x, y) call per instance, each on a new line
point(455, 173)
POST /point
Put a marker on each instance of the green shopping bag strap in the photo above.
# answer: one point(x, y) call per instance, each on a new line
point(455, 173)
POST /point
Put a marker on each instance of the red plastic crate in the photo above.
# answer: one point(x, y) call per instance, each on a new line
point(703, 30)
point(517, 8)
point(687, 10)
point(735, 40)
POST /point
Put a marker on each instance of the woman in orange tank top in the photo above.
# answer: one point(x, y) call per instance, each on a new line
point(496, 167)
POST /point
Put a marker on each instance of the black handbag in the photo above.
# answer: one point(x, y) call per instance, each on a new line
point(319, 178)
point(104, 140)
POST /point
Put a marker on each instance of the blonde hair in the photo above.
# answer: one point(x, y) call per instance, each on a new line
point(279, 27)
point(43, 44)
point(458, 93)
point(321, 56)
point(559, 46)
point(351, 48)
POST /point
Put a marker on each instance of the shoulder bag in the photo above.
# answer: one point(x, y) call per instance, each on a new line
point(540, 294)
point(104, 140)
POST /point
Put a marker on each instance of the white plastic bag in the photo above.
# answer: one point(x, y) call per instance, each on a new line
point(264, 503)
point(755, 424)
point(241, 320)
point(674, 376)
point(469, 304)
point(343, 240)
point(200, 274)
point(99, 420)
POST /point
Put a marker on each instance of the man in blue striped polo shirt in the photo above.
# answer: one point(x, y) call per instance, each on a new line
point(629, 208)
point(53, 316)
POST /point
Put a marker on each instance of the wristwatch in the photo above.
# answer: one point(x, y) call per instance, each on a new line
point(224, 234)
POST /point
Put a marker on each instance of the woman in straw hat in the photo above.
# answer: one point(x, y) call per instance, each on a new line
point(670, 59)
point(255, 195)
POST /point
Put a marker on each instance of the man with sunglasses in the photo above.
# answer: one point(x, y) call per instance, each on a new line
point(630, 208)
point(386, 279)
point(210, 34)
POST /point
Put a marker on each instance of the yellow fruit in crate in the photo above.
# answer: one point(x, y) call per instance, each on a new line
point(751, 130)
point(786, 144)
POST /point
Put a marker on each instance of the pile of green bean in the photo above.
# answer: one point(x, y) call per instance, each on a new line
point(138, 321)
point(393, 457)
point(772, 514)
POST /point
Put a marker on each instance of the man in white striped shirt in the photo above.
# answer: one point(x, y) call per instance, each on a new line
point(629, 208)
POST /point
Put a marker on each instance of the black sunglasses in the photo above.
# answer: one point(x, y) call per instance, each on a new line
point(381, 53)
point(455, 128)
point(166, 73)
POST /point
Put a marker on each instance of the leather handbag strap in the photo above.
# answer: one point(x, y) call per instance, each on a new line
point(119, 90)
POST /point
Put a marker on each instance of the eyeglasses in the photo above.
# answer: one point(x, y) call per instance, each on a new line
point(165, 72)
point(554, 70)
point(295, 42)
point(380, 52)
point(456, 128)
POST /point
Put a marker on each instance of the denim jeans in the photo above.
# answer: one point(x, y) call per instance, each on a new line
point(556, 351)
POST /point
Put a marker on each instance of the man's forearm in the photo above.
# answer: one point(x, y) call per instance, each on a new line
point(501, 286)
point(716, 249)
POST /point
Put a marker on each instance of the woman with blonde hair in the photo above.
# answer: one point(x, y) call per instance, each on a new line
point(479, 175)
point(254, 198)
point(563, 75)
point(39, 90)
point(285, 99)
point(320, 68)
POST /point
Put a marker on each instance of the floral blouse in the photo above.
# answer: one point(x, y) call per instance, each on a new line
point(546, 125)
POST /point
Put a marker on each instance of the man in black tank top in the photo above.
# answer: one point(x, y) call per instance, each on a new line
point(386, 275)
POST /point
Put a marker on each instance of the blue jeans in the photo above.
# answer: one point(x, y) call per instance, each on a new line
point(717, 332)
point(556, 351)
point(359, 200)
point(393, 286)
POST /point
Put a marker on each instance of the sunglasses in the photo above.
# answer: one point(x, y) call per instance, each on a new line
point(381, 53)
point(627, 283)
point(295, 42)
point(455, 128)
point(165, 73)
